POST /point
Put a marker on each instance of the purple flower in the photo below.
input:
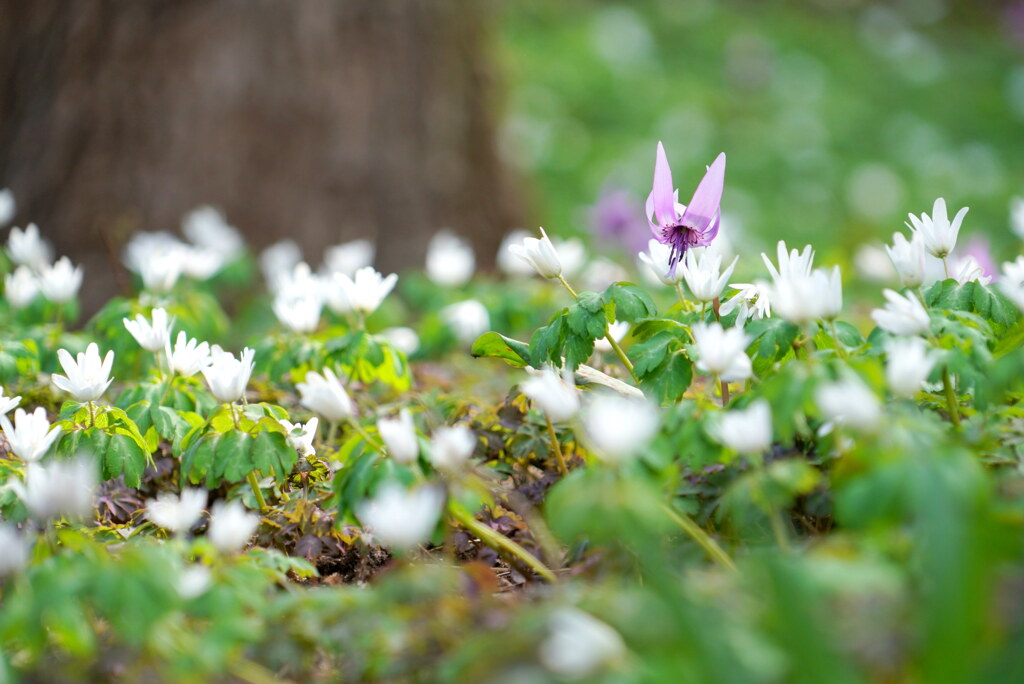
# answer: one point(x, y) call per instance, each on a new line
point(615, 219)
point(682, 227)
point(981, 250)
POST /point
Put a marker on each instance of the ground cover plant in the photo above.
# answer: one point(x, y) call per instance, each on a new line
point(576, 470)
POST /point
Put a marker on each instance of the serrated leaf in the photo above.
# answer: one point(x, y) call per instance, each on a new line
point(631, 302)
point(124, 455)
point(233, 459)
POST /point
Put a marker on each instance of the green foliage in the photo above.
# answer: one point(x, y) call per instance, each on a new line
point(233, 443)
point(108, 433)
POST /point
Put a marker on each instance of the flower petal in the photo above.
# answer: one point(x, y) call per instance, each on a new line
point(662, 191)
point(707, 198)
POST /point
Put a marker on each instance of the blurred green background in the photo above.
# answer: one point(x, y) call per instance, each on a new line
point(838, 117)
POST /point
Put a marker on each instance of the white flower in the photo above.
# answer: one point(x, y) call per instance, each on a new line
point(188, 356)
point(849, 402)
point(791, 263)
point(301, 437)
point(27, 248)
point(161, 271)
point(207, 228)
point(1012, 281)
point(656, 257)
point(13, 546)
point(231, 526)
point(467, 319)
point(579, 645)
point(508, 263)
point(902, 315)
point(908, 365)
point(746, 431)
point(967, 270)
point(617, 330)
point(363, 293)
point(31, 435)
point(8, 207)
point(557, 397)
point(753, 301)
point(873, 263)
point(21, 287)
point(152, 336)
point(146, 245)
point(1016, 216)
point(177, 513)
point(937, 231)
point(399, 435)
point(540, 254)
point(349, 257)
point(278, 260)
point(450, 260)
point(7, 403)
point(908, 258)
point(451, 447)
point(703, 274)
point(401, 518)
point(720, 352)
point(832, 293)
point(88, 377)
point(600, 273)
point(200, 263)
point(61, 281)
point(299, 312)
point(800, 298)
point(403, 339)
point(324, 395)
point(228, 376)
point(618, 427)
point(59, 488)
point(572, 254)
point(194, 581)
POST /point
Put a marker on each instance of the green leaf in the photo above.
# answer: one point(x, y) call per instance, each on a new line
point(493, 345)
point(198, 459)
point(631, 302)
point(773, 337)
point(124, 455)
point(547, 342)
point(232, 458)
point(272, 455)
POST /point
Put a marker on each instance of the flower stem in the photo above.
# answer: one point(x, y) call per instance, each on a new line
point(951, 403)
point(703, 539)
point(332, 432)
point(725, 392)
point(945, 265)
point(621, 354)
point(835, 336)
point(92, 414)
point(567, 286)
point(260, 501)
point(365, 435)
point(556, 447)
point(500, 542)
point(679, 291)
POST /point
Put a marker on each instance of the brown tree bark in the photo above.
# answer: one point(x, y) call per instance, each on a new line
point(323, 120)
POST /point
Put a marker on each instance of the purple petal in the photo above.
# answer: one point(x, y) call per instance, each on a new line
point(707, 198)
point(662, 192)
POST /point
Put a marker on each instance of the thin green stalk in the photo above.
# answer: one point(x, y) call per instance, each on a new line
point(556, 447)
point(621, 354)
point(332, 432)
point(92, 414)
point(779, 529)
point(951, 403)
point(260, 501)
point(366, 436)
point(835, 336)
point(945, 265)
point(567, 286)
point(679, 291)
point(500, 542)
point(703, 539)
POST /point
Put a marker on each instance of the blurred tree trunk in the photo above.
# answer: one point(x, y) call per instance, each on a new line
point(321, 120)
